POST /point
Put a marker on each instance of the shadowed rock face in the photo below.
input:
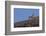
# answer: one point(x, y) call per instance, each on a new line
point(33, 22)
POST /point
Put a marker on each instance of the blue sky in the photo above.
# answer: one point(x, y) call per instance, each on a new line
point(21, 14)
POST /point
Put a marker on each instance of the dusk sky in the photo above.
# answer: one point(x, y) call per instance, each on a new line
point(21, 14)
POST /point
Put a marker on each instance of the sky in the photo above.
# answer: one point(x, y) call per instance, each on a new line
point(21, 14)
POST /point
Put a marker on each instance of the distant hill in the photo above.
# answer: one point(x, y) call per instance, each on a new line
point(33, 22)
